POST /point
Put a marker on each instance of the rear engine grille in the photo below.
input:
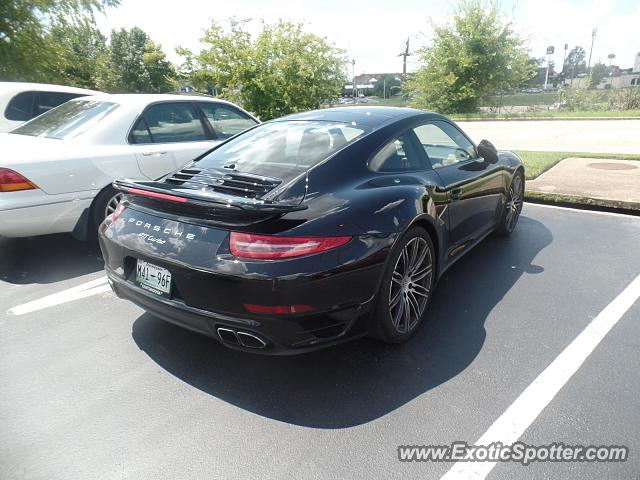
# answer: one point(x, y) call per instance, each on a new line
point(240, 184)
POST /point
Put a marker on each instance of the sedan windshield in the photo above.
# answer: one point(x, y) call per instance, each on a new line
point(283, 149)
point(68, 120)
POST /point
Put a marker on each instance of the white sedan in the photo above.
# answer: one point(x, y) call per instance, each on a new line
point(56, 170)
point(21, 101)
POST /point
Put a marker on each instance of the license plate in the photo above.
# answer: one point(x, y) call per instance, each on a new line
point(153, 278)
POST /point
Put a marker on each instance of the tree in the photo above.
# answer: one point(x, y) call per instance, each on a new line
point(389, 81)
point(133, 63)
point(598, 72)
point(189, 65)
point(279, 71)
point(575, 64)
point(469, 60)
point(536, 65)
point(79, 48)
point(25, 52)
point(159, 73)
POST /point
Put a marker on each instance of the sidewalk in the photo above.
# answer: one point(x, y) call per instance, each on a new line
point(594, 136)
point(609, 183)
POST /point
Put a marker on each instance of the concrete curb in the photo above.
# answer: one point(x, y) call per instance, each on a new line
point(587, 203)
point(533, 119)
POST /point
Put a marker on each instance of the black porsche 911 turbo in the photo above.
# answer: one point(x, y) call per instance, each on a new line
point(311, 229)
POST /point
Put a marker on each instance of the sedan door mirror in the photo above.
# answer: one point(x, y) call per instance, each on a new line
point(487, 151)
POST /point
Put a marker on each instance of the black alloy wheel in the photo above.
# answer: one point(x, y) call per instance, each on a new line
point(406, 288)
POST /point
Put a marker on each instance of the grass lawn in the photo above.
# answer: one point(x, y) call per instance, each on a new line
point(536, 163)
point(528, 99)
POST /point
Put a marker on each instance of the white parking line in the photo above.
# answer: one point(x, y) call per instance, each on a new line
point(80, 291)
point(526, 408)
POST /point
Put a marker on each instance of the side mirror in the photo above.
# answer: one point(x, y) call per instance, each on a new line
point(487, 151)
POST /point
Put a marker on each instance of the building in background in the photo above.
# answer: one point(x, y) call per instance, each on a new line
point(618, 78)
point(366, 83)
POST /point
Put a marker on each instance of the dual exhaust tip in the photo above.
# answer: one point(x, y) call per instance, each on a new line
point(240, 338)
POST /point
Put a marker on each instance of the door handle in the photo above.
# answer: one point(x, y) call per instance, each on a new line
point(150, 153)
point(455, 193)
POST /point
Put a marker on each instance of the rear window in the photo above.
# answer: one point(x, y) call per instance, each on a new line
point(283, 149)
point(67, 120)
point(20, 107)
point(48, 100)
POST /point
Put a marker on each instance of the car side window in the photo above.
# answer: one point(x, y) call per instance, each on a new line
point(140, 132)
point(45, 101)
point(20, 107)
point(225, 121)
point(398, 155)
point(168, 123)
point(444, 144)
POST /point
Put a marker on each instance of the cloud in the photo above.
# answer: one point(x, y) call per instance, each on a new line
point(556, 22)
point(374, 32)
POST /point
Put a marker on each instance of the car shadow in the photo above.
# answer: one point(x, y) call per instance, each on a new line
point(355, 383)
point(47, 259)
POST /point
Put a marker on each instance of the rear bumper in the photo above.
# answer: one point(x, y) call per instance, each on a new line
point(33, 212)
point(211, 289)
point(271, 336)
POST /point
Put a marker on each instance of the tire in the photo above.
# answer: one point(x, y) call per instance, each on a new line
point(103, 205)
point(406, 289)
point(512, 206)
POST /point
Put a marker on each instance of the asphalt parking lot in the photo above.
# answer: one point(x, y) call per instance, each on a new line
point(94, 388)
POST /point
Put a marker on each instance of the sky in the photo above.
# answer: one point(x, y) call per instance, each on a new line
point(373, 32)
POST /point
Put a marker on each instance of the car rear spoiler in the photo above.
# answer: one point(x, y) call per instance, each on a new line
point(201, 198)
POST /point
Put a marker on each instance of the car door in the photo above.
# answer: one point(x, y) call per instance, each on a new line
point(404, 155)
point(166, 136)
point(474, 186)
point(225, 120)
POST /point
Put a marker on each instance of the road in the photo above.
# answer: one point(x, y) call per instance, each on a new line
point(91, 387)
point(595, 136)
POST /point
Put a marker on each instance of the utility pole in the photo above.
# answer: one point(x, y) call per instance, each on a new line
point(550, 50)
point(611, 56)
point(564, 60)
point(405, 54)
point(593, 37)
point(353, 90)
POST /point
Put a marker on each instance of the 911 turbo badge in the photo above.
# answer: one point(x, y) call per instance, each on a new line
point(291, 251)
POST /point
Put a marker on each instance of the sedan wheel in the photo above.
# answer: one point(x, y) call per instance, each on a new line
point(104, 205)
point(112, 204)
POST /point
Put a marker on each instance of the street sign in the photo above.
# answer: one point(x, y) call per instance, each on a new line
point(550, 50)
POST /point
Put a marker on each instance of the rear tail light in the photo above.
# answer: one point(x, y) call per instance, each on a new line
point(117, 212)
point(267, 247)
point(162, 196)
point(11, 181)
point(277, 309)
